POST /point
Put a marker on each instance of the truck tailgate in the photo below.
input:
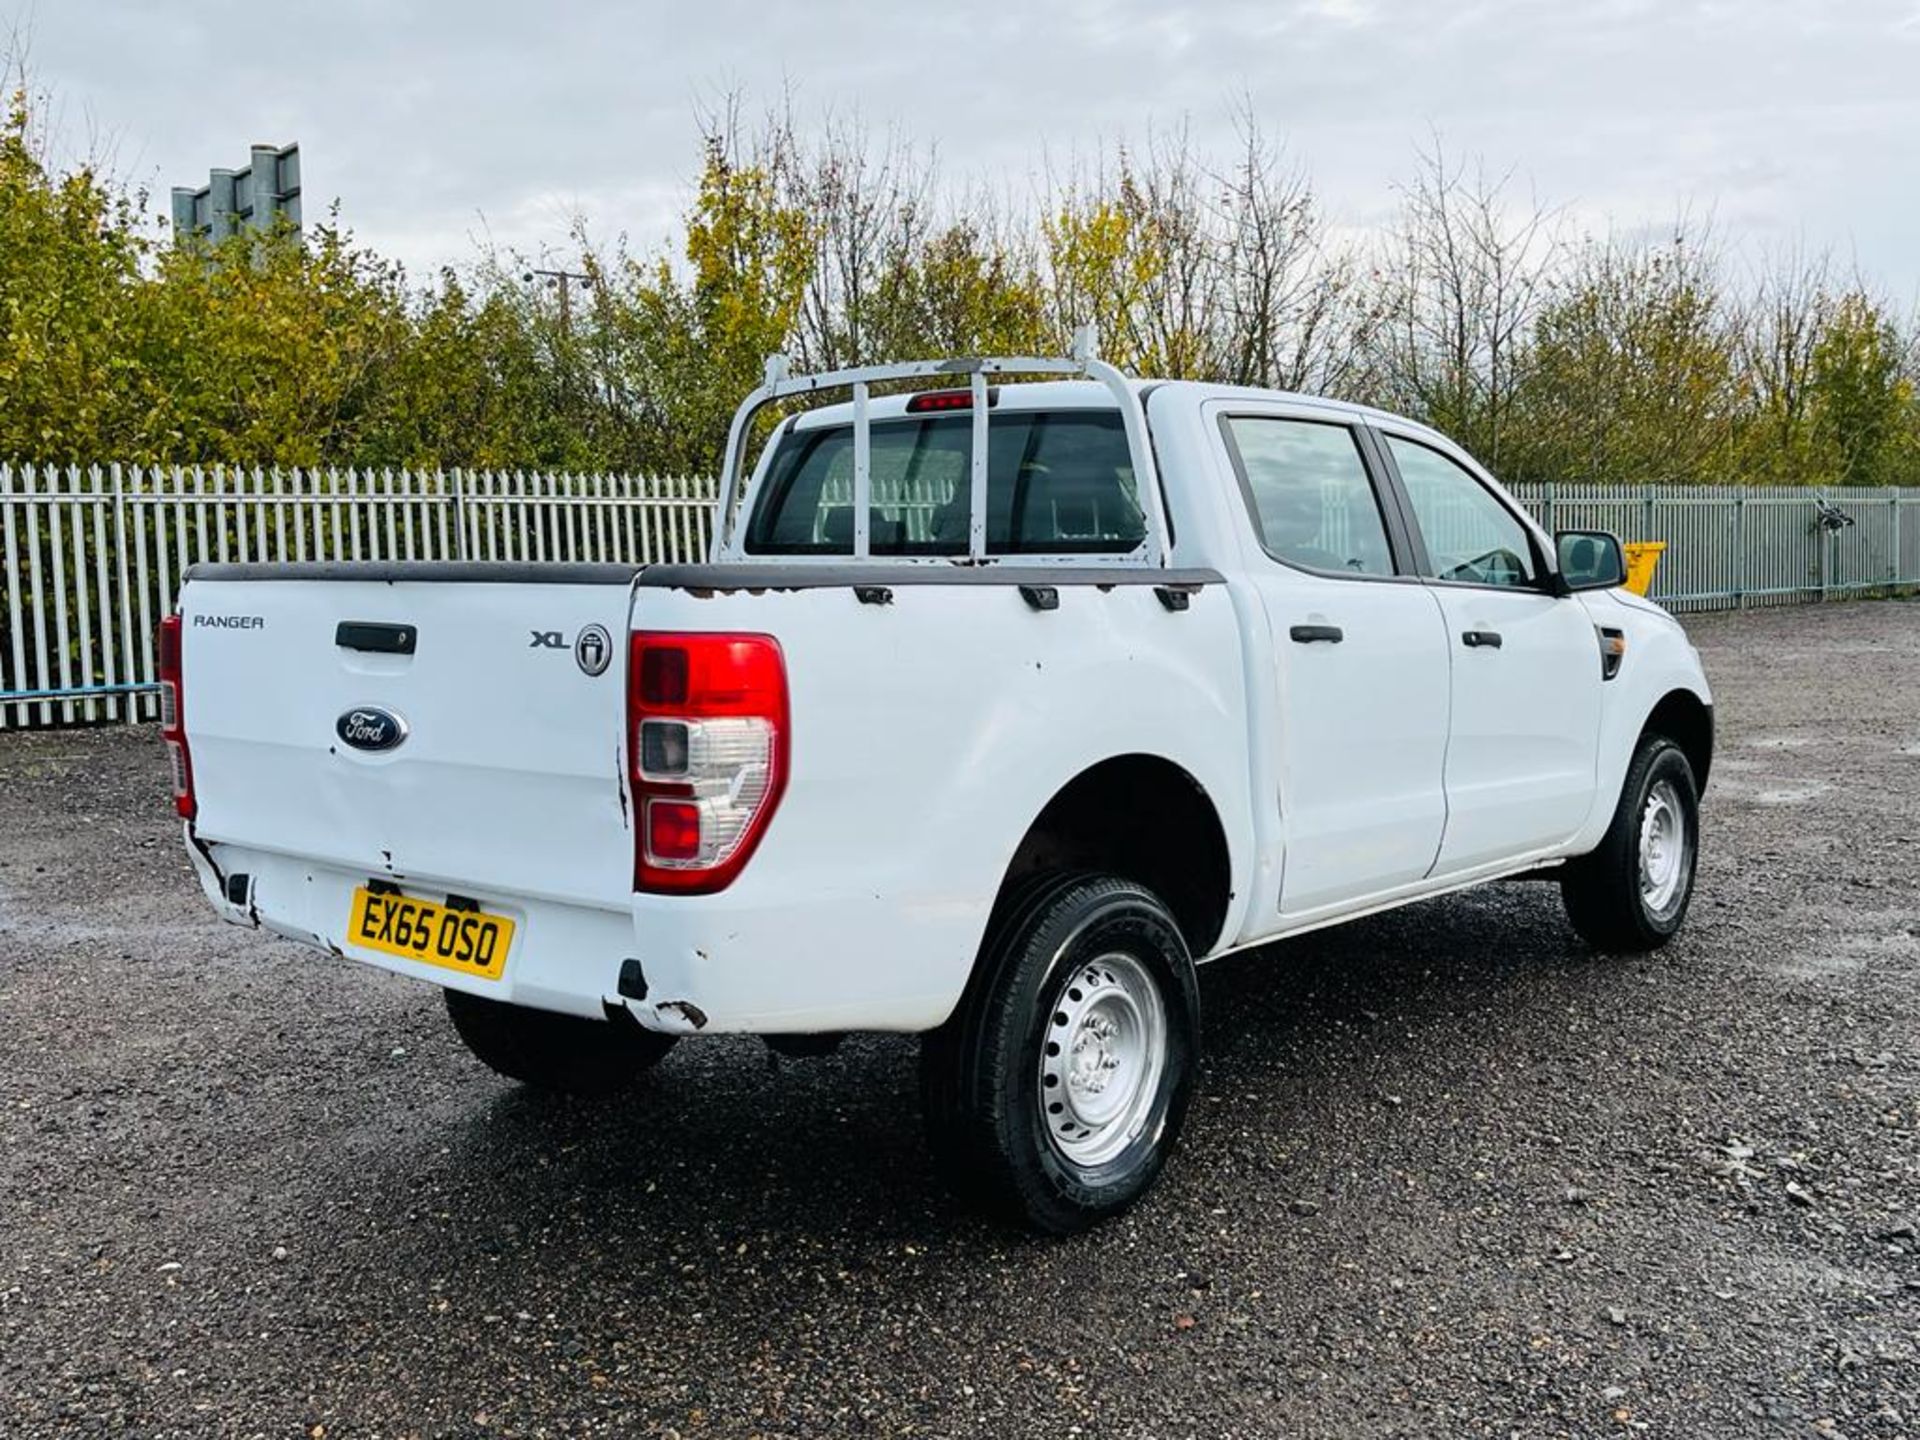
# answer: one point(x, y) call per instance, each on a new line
point(509, 778)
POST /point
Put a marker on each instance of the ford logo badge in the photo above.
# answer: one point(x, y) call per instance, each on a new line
point(368, 727)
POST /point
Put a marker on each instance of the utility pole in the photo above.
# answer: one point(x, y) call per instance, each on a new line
point(561, 280)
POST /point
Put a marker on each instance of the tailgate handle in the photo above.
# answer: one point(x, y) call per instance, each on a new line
point(381, 638)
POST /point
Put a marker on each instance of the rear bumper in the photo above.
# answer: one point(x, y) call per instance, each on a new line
point(710, 964)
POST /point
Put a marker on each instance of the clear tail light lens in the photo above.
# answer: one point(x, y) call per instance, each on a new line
point(708, 744)
point(173, 715)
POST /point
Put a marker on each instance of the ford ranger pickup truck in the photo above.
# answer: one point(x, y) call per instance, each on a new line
point(1010, 691)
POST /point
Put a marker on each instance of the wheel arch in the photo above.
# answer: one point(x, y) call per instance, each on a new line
point(1141, 817)
point(1687, 720)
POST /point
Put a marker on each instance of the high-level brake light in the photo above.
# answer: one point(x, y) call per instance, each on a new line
point(937, 400)
point(708, 743)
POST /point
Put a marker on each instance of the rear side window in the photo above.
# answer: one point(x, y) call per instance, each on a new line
point(1312, 502)
point(1058, 483)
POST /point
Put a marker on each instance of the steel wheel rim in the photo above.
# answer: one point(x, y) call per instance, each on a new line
point(1102, 1056)
point(1664, 843)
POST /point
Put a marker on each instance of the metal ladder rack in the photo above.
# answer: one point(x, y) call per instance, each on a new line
point(1083, 363)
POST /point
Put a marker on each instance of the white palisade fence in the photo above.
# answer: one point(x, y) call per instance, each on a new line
point(1734, 546)
point(94, 554)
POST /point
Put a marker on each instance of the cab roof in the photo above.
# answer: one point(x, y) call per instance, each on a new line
point(1092, 395)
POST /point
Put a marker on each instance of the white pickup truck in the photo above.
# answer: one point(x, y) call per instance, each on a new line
point(996, 709)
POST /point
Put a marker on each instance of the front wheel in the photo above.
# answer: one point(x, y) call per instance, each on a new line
point(1056, 1091)
point(1631, 894)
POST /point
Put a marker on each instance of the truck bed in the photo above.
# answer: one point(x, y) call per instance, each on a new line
point(935, 711)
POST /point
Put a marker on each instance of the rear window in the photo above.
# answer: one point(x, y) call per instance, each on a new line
point(1058, 482)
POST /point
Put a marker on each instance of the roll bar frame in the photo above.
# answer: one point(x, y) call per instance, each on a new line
point(1083, 363)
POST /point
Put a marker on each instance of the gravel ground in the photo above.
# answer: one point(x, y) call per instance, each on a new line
point(1452, 1174)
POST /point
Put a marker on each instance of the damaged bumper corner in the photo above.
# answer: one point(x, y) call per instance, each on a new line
point(669, 1017)
point(230, 895)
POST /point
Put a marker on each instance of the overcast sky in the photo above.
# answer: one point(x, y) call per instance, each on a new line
point(435, 121)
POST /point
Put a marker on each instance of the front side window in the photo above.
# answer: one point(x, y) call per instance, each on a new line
point(1058, 483)
point(1471, 537)
point(1312, 502)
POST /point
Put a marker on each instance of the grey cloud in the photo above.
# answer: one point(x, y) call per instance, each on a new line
point(1787, 120)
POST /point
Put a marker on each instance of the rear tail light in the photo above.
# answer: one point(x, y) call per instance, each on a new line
point(173, 714)
point(707, 741)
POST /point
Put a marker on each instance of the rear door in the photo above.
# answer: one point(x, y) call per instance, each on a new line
point(1526, 683)
point(1360, 657)
point(503, 685)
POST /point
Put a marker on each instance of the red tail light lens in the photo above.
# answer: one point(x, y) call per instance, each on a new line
point(173, 713)
point(707, 742)
point(673, 830)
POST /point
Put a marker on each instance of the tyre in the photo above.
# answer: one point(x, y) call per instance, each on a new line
point(568, 1054)
point(1631, 894)
point(1055, 1092)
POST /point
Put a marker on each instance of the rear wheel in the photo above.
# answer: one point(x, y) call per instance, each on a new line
point(1055, 1093)
point(565, 1053)
point(1631, 894)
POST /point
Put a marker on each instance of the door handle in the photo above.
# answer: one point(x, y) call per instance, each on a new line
point(1475, 639)
point(377, 638)
point(1311, 634)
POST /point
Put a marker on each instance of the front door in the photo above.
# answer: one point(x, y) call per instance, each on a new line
point(1526, 679)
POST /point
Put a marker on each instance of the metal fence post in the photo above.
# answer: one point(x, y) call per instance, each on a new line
point(1823, 552)
point(1893, 538)
point(1740, 550)
point(122, 586)
point(455, 480)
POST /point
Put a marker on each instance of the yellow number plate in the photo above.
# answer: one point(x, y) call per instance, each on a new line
point(470, 941)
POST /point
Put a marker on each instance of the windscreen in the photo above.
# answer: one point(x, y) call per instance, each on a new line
point(1058, 482)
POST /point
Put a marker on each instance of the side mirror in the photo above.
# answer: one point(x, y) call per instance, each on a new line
point(1590, 559)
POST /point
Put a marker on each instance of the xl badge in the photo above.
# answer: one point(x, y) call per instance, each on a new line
point(593, 649)
point(371, 728)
